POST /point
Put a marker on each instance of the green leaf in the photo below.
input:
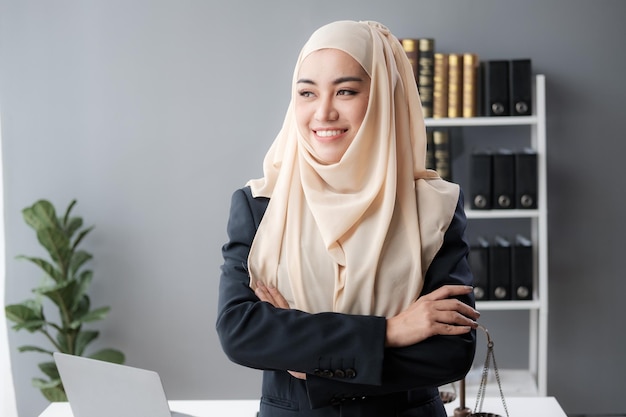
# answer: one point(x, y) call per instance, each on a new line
point(78, 259)
point(83, 339)
point(72, 225)
point(27, 315)
point(28, 348)
point(52, 390)
point(42, 383)
point(62, 340)
point(93, 315)
point(66, 216)
point(81, 299)
point(57, 245)
point(41, 215)
point(81, 236)
point(55, 394)
point(84, 304)
point(46, 266)
point(61, 294)
point(109, 355)
point(50, 369)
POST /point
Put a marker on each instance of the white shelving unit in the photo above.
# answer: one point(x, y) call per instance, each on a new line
point(533, 380)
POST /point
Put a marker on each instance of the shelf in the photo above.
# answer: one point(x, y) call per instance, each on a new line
point(482, 121)
point(508, 305)
point(501, 214)
point(532, 381)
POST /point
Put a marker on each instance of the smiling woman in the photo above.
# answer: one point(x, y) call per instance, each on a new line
point(345, 275)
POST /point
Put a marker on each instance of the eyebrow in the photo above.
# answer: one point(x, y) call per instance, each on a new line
point(335, 82)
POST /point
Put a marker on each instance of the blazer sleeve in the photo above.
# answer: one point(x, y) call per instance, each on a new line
point(343, 355)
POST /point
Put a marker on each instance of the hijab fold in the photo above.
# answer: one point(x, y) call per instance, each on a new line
point(356, 236)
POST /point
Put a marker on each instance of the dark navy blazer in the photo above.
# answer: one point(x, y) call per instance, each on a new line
point(349, 370)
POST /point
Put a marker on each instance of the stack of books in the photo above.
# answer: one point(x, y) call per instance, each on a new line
point(460, 85)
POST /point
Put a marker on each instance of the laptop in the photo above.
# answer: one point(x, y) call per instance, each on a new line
point(96, 388)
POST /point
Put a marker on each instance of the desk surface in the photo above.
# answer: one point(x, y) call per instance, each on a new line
point(517, 406)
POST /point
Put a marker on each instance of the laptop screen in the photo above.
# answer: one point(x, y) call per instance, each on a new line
point(96, 388)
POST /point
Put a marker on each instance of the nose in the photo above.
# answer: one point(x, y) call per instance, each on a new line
point(326, 110)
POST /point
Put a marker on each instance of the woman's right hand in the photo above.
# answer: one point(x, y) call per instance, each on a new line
point(437, 313)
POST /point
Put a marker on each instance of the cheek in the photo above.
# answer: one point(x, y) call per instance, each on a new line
point(301, 115)
point(360, 112)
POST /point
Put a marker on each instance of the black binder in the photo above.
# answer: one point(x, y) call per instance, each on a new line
point(496, 100)
point(503, 182)
point(526, 179)
point(500, 269)
point(522, 269)
point(520, 83)
point(478, 259)
point(480, 180)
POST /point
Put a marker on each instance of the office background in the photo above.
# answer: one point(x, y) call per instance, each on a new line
point(151, 112)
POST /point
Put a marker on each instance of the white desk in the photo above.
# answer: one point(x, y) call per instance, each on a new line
point(517, 406)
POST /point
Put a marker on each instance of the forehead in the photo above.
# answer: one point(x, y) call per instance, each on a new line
point(330, 61)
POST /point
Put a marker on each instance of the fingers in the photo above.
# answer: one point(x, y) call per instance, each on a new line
point(455, 315)
point(448, 291)
point(442, 299)
point(454, 305)
point(299, 375)
point(442, 329)
point(271, 295)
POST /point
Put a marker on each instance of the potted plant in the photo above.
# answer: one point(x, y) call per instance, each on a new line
point(65, 284)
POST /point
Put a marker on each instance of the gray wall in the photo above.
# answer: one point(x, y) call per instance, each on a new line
point(151, 112)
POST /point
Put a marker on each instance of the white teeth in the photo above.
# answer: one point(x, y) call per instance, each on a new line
point(328, 133)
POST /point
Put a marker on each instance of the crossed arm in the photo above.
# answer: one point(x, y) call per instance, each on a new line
point(437, 313)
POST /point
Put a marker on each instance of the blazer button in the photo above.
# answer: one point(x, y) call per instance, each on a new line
point(327, 373)
point(318, 372)
point(350, 373)
point(339, 373)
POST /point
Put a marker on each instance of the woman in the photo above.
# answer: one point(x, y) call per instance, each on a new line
point(345, 276)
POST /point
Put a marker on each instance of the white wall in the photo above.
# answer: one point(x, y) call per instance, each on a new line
point(7, 390)
point(151, 112)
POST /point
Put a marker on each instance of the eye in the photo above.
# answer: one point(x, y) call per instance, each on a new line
point(305, 93)
point(345, 92)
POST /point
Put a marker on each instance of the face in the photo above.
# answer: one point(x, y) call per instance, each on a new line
point(332, 95)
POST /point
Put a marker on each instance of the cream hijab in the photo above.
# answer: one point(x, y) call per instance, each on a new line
point(356, 236)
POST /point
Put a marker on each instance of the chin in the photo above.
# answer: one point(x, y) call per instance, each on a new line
point(329, 156)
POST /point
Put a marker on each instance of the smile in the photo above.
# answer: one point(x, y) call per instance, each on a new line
point(329, 133)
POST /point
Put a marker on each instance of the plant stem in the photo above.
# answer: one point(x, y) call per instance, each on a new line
point(54, 343)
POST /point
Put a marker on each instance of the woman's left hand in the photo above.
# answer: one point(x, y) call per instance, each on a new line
point(270, 294)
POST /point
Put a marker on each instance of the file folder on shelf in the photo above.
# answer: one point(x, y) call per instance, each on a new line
point(500, 269)
point(526, 179)
point(478, 259)
point(522, 269)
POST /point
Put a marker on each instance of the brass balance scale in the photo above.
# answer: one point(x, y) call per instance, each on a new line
point(463, 410)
